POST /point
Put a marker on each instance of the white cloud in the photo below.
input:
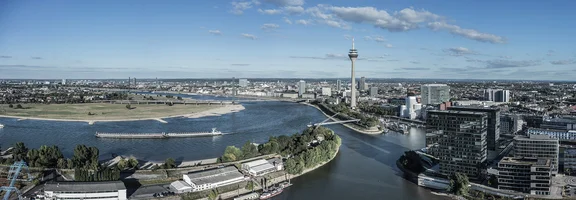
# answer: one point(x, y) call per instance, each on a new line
point(389, 46)
point(458, 51)
point(303, 22)
point(215, 32)
point(563, 62)
point(270, 11)
point(498, 64)
point(238, 7)
point(294, 9)
point(335, 24)
point(269, 26)
point(282, 3)
point(375, 38)
point(467, 33)
point(249, 36)
point(287, 20)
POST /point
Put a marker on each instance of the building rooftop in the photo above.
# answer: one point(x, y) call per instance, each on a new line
point(435, 84)
point(534, 137)
point(262, 167)
point(217, 178)
point(85, 186)
point(212, 172)
point(526, 161)
point(479, 108)
point(255, 163)
point(180, 185)
point(456, 112)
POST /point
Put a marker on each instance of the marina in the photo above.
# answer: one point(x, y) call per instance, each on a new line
point(157, 135)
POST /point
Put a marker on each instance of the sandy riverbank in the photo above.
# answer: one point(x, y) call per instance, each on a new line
point(217, 111)
point(346, 125)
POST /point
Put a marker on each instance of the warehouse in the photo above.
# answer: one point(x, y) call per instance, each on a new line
point(180, 187)
point(213, 178)
point(112, 190)
point(258, 167)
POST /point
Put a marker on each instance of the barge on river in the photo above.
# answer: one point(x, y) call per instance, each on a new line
point(157, 135)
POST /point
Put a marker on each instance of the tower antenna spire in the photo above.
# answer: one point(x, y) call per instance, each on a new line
point(352, 42)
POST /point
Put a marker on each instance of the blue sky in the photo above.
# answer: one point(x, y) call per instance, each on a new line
point(463, 39)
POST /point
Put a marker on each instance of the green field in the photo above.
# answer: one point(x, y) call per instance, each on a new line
point(101, 111)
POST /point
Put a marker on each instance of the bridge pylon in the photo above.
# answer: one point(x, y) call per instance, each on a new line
point(13, 174)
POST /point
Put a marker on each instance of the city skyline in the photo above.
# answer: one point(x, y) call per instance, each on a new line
point(286, 39)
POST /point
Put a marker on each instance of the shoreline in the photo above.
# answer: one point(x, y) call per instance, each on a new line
point(207, 113)
point(346, 125)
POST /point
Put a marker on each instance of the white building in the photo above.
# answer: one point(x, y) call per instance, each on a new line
point(63, 82)
point(412, 108)
point(209, 179)
point(301, 87)
point(435, 93)
point(112, 190)
point(180, 187)
point(243, 82)
point(538, 146)
point(497, 95)
point(258, 167)
point(326, 91)
point(373, 91)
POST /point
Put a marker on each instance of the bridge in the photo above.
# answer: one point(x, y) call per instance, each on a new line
point(325, 122)
point(13, 174)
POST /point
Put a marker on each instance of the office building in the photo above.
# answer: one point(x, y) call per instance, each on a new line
point(570, 160)
point(301, 88)
point(373, 91)
point(558, 123)
point(458, 140)
point(493, 114)
point(510, 124)
point(538, 146)
point(63, 81)
point(435, 93)
point(524, 174)
point(338, 85)
point(243, 82)
point(497, 95)
point(326, 91)
point(353, 55)
point(562, 135)
point(214, 178)
point(85, 190)
point(135, 83)
point(362, 85)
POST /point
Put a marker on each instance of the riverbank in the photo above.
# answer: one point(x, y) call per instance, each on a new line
point(369, 132)
point(179, 111)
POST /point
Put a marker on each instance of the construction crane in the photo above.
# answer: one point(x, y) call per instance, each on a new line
point(13, 174)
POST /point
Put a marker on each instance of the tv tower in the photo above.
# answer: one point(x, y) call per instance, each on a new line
point(353, 54)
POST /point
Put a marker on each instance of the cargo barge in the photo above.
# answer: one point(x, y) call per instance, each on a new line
point(157, 135)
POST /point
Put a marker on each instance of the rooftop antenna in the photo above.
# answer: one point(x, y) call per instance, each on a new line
point(352, 42)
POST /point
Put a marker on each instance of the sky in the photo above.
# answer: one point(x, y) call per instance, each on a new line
point(459, 39)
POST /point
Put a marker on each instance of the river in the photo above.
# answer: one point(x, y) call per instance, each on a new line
point(364, 168)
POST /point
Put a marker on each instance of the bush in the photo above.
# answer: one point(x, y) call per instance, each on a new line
point(19, 106)
point(10, 106)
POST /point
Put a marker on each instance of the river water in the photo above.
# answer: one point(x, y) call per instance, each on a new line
point(364, 168)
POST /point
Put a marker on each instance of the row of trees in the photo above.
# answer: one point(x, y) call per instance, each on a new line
point(345, 113)
point(106, 174)
point(233, 153)
point(51, 157)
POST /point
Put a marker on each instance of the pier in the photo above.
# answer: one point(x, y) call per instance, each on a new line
point(157, 135)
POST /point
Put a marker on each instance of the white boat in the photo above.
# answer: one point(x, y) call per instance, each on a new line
point(1, 126)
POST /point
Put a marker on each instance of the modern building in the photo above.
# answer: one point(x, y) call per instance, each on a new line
point(524, 174)
point(493, 114)
point(338, 85)
point(510, 124)
point(458, 140)
point(538, 146)
point(435, 93)
point(243, 82)
point(353, 55)
point(301, 87)
point(63, 81)
point(109, 190)
point(570, 160)
point(562, 135)
point(497, 95)
point(214, 178)
point(362, 85)
point(412, 108)
point(326, 91)
point(558, 123)
point(259, 167)
point(373, 91)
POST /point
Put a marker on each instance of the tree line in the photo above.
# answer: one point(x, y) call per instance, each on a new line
point(106, 174)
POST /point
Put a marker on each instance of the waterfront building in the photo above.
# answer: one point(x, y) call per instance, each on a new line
point(353, 55)
point(524, 174)
point(538, 146)
point(435, 93)
point(258, 167)
point(326, 91)
point(301, 88)
point(109, 190)
point(180, 187)
point(562, 135)
point(458, 140)
point(214, 178)
point(493, 114)
point(412, 108)
point(373, 91)
point(243, 82)
point(362, 85)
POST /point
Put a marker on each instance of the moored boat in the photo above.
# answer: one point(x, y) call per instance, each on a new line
point(1, 126)
point(270, 194)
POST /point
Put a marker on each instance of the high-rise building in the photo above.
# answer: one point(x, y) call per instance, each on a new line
point(497, 95)
point(435, 93)
point(338, 85)
point(63, 81)
point(129, 81)
point(243, 82)
point(135, 84)
point(493, 122)
point(412, 108)
point(458, 140)
point(524, 174)
point(301, 88)
point(353, 55)
point(510, 124)
point(374, 91)
point(362, 85)
point(326, 91)
point(538, 146)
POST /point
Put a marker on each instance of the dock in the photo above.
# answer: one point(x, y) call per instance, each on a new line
point(157, 135)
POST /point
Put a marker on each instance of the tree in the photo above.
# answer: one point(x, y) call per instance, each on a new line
point(568, 171)
point(132, 163)
point(459, 184)
point(169, 163)
point(122, 164)
point(250, 185)
point(128, 107)
point(19, 152)
point(10, 106)
point(213, 195)
point(249, 150)
point(493, 181)
point(19, 106)
point(231, 153)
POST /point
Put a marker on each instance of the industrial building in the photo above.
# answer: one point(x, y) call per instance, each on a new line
point(493, 114)
point(524, 174)
point(435, 93)
point(458, 140)
point(180, 187)
point(110, 190)
point(261, 167)
point(538, 146)
point(214, 178)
